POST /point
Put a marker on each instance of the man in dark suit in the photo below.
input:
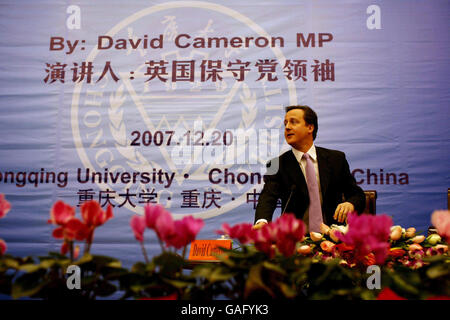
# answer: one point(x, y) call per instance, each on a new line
point(285, 176)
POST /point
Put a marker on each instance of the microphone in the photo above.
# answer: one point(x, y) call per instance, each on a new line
point(293, 187)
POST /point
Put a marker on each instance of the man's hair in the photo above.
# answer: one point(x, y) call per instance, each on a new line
point(309, 116)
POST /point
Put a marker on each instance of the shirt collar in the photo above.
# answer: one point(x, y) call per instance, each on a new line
point(312, 153)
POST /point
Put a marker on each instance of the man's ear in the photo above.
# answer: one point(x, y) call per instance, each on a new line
point(310, 128)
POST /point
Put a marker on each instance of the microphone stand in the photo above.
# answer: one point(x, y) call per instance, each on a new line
point(293, 187)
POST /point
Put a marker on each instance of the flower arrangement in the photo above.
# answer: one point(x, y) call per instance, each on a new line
point(176, 234)
point(162, 277)
point(5, 206)
point(45, 277)
point(283, 235)
point(277, 261)
point(71, 228)
point(411, 263)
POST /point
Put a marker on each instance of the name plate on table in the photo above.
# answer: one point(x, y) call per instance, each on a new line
point(205, 250)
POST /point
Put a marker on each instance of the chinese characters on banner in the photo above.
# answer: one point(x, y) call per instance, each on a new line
point(209, 70)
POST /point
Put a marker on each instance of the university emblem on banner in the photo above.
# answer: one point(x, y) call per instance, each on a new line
point(180, 115)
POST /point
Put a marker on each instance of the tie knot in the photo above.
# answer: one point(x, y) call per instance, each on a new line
point(306, 156)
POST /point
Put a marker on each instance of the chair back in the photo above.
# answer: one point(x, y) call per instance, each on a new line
point(371, 201)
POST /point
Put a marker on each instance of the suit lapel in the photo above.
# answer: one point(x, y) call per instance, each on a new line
point(324, 169)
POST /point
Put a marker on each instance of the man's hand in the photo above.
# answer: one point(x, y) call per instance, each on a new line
point(259, 225)
point(342, 211)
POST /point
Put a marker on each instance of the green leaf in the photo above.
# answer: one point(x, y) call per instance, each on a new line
point(169, 262)
point(369, 294)
point(138, 287)
point(287, 290)
point(329, 268)
point(104, 289)
point(202, 271)
point(114, 273)
point(212, 274)
point(10, 263)
point(437, 259)
point(437, 271)
point(229, 262)
point(104, 260)
point(28, 285)
point(29, 267)
point(142, 268)
point(219, 275)
point(180, 284)
point(404, 284)
point(115, 264)
point(46, 264)
point(55, 255)
point(88, 281)
point(98, 264)
point(86, 258)
point(274, 267)
point(255, 282)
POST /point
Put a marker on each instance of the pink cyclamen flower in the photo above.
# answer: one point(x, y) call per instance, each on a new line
point(265, 238)
point(243, 232)
point(165, 227)
point(5, 206)
point(76, 229)
point(61, 213)
point(368, 234)
point(93, 214)
point(73, 229)
point(152, 213)
point(3, 247)
point(185, 232)
point(191, 227)
point(290, 231)
point(441, 220)
point(289, 225)
point(176, 234)
point(138, 224)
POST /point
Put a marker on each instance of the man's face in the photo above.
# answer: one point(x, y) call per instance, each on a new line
point(296, 131)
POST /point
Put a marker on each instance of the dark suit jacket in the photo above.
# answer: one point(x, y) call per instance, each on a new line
point(335, 181)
